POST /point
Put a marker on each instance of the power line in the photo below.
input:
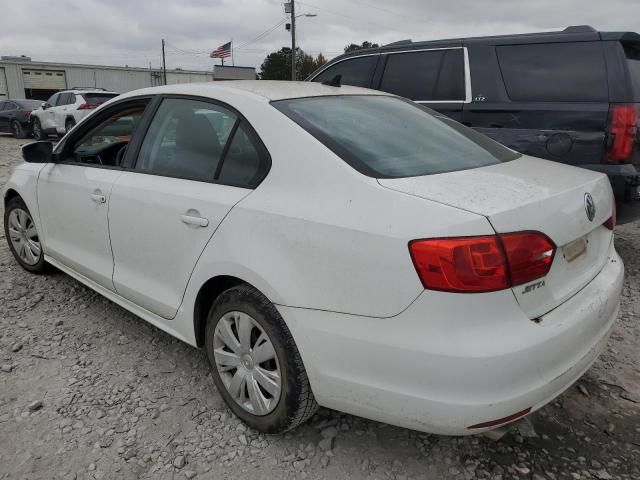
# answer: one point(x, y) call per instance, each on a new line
point(262, 35)
point(340, 14)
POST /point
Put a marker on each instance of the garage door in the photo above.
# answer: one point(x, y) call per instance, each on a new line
point(44, 79)
point(3, 84)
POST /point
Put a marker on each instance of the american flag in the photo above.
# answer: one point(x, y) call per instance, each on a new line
point(223, 51)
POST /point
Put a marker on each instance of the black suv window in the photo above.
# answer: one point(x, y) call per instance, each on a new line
point(429, 75)
point(632, 52)
point(66, 99)
point(554, 72)
point(355, 71)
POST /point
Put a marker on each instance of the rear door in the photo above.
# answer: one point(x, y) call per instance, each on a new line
point(4, 115)
point(63, 109)
point(552, 101)
point(437, 78)
point(198, 159)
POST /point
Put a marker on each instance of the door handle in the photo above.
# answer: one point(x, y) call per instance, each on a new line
point(197, 221)
point(96, 197)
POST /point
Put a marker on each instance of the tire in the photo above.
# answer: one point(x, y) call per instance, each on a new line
point(36, 264)
point(295, 403)
point(38, 133)
point(18, 130)
point(69, 124)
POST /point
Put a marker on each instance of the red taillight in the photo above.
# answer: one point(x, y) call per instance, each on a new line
point(86, 106)
point(623, 129)
point(611, 223)
point(482, 264)
point(27, 112)
point(529, 255)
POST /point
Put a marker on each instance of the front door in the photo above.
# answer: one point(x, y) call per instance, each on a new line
point(197, 160)
point(74, 194)
point(47, 119)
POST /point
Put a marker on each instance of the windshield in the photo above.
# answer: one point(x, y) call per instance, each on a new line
point(389, 137)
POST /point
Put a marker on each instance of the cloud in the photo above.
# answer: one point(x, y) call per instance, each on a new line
point(119, 32)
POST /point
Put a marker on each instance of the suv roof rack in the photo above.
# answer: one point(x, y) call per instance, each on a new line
point(88, 88)
point(579, 29)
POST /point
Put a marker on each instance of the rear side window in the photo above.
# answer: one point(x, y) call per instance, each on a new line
point(97, 98)
point(66, 99)
point(245, 163)
point(356, 71)
point(632, 52)
point(554, 72)
point(431, 75)
point(388, 137)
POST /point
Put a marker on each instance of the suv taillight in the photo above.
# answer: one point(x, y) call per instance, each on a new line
point(623, 126)
point(484, 263)
point(86, 106)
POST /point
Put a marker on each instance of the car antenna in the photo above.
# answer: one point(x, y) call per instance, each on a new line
point(334, 82)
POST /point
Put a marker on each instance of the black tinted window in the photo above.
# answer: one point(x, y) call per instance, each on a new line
point(387, 137)
point(186, 139)
point(431, 75)
point(66, 99)
point(554, 72)
point(356, 72)
point(632, 53)
point(246, 162)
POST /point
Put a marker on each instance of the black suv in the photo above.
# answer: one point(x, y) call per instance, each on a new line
point(570, 96)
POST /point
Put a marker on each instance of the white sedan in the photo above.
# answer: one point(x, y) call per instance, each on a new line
point(330, 245)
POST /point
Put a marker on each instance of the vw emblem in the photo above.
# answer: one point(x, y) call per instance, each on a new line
point(589, 206)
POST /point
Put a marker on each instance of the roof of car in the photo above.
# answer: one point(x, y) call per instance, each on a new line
point(576, 33)
point(266, 89)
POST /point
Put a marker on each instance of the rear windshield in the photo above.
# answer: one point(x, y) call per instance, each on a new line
point(98, 98)
point(389, 137)
point(632, 53)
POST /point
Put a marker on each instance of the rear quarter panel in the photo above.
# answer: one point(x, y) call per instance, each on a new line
point(317, 234)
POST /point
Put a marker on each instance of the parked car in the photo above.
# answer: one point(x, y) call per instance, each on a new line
point(570, 96)
point(331, 246)
point(64, 109)
point(14, 116)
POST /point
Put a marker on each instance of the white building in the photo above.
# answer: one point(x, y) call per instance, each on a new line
point(20, 77)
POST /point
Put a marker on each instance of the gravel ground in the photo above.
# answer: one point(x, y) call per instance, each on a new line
point(87, 391)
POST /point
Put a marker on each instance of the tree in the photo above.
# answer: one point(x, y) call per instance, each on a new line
point(352, 47)
point(277, 65)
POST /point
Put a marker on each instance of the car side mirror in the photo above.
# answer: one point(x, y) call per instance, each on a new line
point(38, 152)
point(45, 106)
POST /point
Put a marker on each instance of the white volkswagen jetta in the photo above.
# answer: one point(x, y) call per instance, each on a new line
point(330, 246)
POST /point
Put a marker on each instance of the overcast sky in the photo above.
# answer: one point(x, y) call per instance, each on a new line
point(119, 32)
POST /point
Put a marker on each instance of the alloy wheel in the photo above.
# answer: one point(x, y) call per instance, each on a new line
point(247, 363)
point(24, 236)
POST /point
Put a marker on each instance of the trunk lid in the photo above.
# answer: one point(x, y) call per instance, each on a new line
point(533, 194)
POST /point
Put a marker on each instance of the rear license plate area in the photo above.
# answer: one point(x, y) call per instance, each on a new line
point(575, 249)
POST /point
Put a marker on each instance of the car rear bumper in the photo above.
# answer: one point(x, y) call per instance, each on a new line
point(451, 361)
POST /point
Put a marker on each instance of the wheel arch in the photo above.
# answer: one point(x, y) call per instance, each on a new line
point(9, 195)
point(208, 294)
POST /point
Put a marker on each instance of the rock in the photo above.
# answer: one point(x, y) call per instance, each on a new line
point(35, 405)
point(324, 461)
point(299, 465)
point(6, 368)
point(325, 444)
point(164, 407)
point(99, 414)
point(179, 461)
point(603, 475)
point(329, 432)
point(243, 440)
point(190, 474)
point(91, 467)
point(16, 347)
point(583, 390)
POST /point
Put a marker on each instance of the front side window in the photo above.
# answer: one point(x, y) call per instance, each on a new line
point(52, 100)
point(426, 76)
point(554, 72)
point(106, 144)
point(388, 137)
point(356, 71)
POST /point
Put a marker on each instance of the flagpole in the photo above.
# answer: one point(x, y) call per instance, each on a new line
point(233, 63)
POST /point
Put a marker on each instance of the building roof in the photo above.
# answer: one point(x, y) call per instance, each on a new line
point(266, 89)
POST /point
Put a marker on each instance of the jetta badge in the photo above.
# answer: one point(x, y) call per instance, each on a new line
point(589, 206)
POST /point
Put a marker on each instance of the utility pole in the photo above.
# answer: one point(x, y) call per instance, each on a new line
point(164, 65)
point(293, 41)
